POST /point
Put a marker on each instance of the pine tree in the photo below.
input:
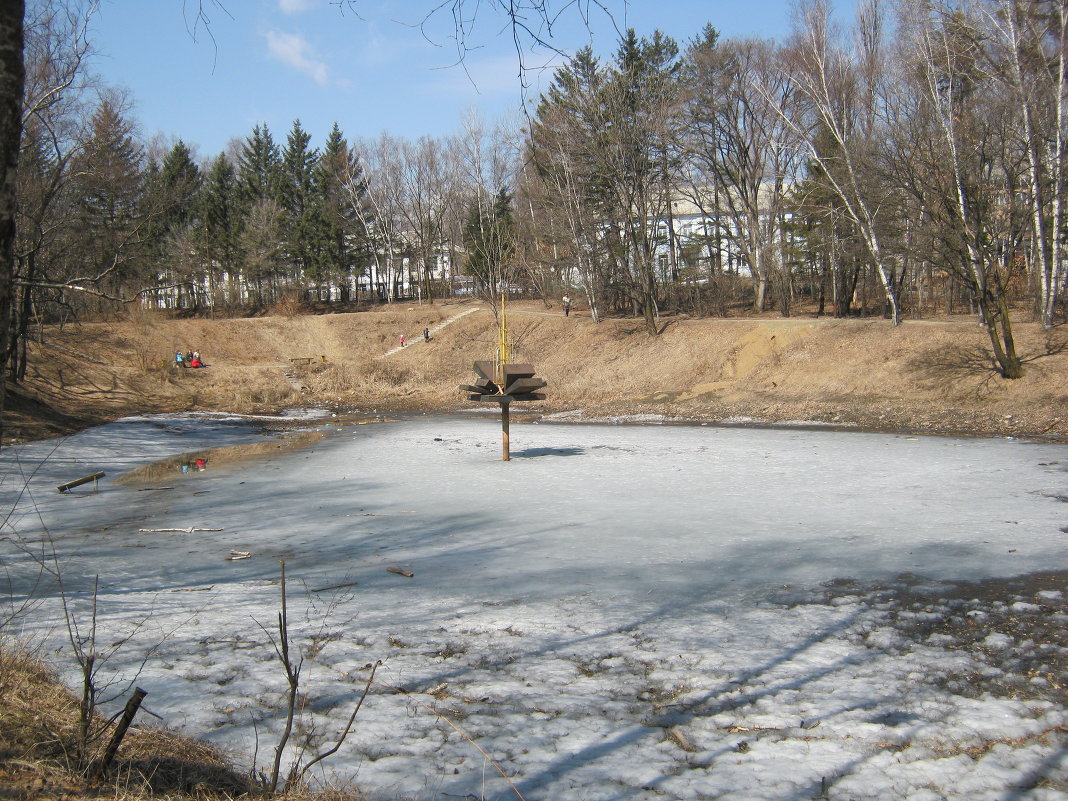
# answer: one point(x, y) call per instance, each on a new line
point(259, 183)
point(220, 221)
point(259, 168)
point(180, 179)
point(489, 239)
point(341, 197)
point(303, 231)
point(108, 189)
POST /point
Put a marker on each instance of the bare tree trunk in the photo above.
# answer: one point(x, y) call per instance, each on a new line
point(12, 80)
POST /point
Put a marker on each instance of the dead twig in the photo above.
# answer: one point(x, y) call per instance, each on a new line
point(348, 726)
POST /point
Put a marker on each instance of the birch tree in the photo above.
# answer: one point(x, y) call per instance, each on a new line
point(960, 161)
point(842, 110)
point(1027, 51)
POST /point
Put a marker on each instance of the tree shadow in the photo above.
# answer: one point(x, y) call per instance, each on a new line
point(531, 453)
point(975, 365)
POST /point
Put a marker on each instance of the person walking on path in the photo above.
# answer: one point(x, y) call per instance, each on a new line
point(402, 340)
point(566, 300)
point(426, 334)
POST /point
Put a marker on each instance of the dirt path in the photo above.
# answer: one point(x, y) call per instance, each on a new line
point(433, 330)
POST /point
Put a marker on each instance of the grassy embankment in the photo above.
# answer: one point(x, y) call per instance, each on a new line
point(921, 376)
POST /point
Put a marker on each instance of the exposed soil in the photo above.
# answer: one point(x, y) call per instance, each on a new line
point(924, 376)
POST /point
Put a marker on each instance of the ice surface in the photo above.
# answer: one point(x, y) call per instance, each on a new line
point(619, 612)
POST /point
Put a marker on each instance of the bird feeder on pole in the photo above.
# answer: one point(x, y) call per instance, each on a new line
point(500, 381)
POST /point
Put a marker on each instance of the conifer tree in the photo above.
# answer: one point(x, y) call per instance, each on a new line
point(489, 239)
point(259, 168)
point(259, 181)
point(220, 222)
point(303, 232)
point(108, 189)
point(341, 197)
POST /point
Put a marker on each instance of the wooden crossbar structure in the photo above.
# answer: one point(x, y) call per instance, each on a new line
point(503, 382)
point(79, 481)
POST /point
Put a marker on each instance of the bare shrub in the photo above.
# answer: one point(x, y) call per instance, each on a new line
point(289, 305)
point(389, 374)
point(151, 355)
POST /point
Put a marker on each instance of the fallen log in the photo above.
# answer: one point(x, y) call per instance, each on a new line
point(79, 481)
point(400, 572)
point(336, 586)
point(189, 530)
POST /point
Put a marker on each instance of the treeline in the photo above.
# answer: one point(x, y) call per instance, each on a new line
point(910, 163)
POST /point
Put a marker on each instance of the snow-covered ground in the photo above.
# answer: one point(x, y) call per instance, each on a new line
point(619, 612)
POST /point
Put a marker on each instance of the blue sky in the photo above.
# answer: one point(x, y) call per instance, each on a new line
point(277, 60)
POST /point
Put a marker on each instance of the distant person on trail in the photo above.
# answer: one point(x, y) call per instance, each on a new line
point(179, 359)
point(426, 334)
point(402, 340)
point(566, 300)
point(188, 358)
point(196, 360)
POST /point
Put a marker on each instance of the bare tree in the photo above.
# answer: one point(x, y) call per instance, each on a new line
point(385, 221)
point(839, 90)
point(741, 152)
point(12, 78)
point(487, 165)
point(954, 141)
point(1027, 41)
point(427, 185)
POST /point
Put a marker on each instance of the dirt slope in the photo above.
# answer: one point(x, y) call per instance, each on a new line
point(922, 375)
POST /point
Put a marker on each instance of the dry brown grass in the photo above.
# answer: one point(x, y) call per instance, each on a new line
point(863, 372)
point(38, 735)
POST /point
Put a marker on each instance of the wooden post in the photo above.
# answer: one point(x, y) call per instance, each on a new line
point(132, 705)
point(504, 432)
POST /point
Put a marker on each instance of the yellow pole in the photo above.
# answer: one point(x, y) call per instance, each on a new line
point(502, 342)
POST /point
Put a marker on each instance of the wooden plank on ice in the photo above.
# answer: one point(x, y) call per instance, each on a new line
point(79, 481)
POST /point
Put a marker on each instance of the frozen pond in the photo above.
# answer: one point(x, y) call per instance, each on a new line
point(620, 612)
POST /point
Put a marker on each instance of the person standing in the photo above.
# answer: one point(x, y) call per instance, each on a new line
point(402, 340)
point(566, 300)
point(426, 334)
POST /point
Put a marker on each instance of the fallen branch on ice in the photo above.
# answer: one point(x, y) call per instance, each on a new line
point(189, 530)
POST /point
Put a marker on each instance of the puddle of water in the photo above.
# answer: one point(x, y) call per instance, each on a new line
point(197, 461)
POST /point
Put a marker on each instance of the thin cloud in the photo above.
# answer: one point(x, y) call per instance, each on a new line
point(295, 51)
point(294, 6)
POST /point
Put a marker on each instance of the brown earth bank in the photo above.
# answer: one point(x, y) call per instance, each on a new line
point(923, 376)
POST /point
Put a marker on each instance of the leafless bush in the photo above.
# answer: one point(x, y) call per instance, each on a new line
point(289, 305)
point(292, 660)
point(150, 355)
